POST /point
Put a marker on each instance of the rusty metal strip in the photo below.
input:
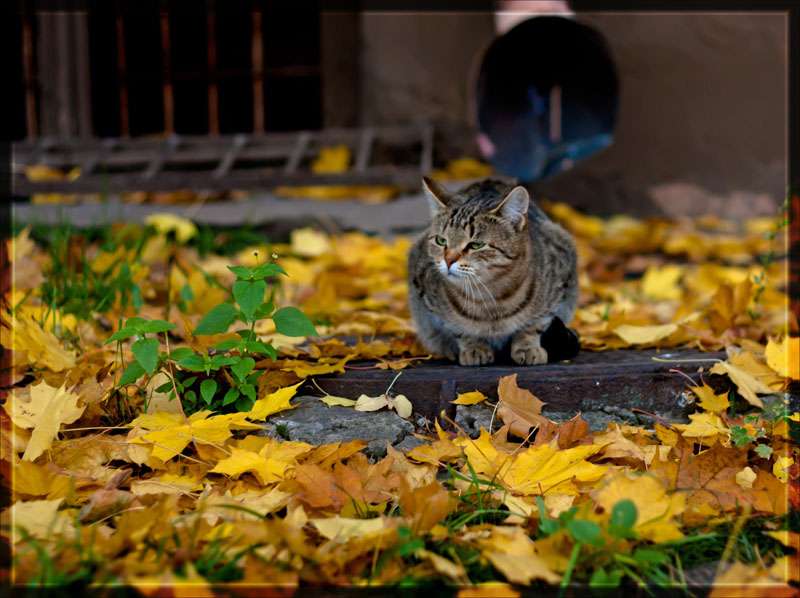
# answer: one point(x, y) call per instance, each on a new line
point(166, 82)
point(173, 141)
point(32, 124)
point(303, 139)
point(257, 64)
point(124, 116)
point(213, 91)
point(239, 142)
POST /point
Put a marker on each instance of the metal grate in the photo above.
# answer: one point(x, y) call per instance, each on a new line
point(241, 161)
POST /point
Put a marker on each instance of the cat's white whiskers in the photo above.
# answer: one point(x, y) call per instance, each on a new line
point(494, 303)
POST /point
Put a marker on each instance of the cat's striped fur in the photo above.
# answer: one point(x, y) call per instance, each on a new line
point(491, 270)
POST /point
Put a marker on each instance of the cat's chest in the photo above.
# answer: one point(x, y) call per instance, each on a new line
point(474, 310)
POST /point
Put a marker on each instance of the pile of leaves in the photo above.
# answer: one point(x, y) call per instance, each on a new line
point(133, 400)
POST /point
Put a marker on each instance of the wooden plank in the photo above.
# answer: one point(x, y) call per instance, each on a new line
point(299, 150)
point(239, 142)
point(158, 162)
point(236, 179)
point(609, 381)
point(91, 163)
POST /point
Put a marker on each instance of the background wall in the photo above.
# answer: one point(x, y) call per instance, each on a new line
point(702, 119)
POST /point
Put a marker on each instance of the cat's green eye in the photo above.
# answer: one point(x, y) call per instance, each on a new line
point(441, 241)
point(476, 245)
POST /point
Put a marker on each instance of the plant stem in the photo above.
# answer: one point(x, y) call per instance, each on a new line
point(172, 379)
point(573, 559)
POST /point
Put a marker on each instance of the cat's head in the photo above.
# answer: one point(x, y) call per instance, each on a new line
point(480, 230)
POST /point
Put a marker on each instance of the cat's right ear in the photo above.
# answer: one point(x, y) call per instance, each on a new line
point(438, 196)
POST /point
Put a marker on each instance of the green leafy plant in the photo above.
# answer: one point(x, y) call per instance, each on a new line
point(597, 550)
point(226, 379)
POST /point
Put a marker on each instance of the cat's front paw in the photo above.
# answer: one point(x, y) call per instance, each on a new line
point(528, 355)
point(476, 356)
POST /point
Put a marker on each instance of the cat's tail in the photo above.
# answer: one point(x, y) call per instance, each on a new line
point(560, 342)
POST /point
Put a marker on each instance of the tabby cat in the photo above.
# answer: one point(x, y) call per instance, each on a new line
point(492, 270)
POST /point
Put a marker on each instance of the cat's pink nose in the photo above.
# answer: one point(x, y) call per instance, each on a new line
point(449, 259)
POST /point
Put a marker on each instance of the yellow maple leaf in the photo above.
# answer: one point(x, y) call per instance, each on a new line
point(781, 468)
point(40, 518)
point(644, 335)
point(511, 551)
point(662, 283)
point(45, 412)
point(784, 357)
point(747, 384)
point(36, 480)
point(326, 365)
point(41, 346)
point(656, 507)
point(269, 464)
point(273, 403)
point(470, 398)
point(709, 400)
point(167, 222)
point(168, 442)
point(705, 428)
point(342, 529)
point(332, 401)
point(307, 242)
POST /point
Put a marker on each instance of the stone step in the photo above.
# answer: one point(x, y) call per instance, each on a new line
point(622, 384)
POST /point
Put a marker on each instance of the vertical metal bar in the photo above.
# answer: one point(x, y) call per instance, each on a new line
point(257, 56)
point(124, 117)
point(30, 77)
point(213, 97)
point(166, 92)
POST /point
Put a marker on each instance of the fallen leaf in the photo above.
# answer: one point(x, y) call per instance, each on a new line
point(512, 552)
point(469, 398)
point(749, 386)
point(342, 529)
point(45, 412)
point(745, 478)
point(518, 407)
point(781, 468)
point(784, 357)
point(709, 400)
point(644, 335)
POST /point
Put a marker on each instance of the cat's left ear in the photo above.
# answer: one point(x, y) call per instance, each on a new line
point(438, 196)
point(514, 207)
